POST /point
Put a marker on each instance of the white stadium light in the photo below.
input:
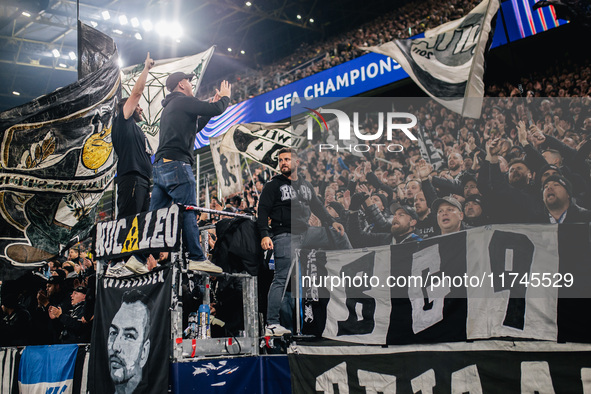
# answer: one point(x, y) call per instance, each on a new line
point(229, 49)
point(106, 15)
point(72, 55)
point(299, 17)
point(176, 30)
point(55, 53)
point(117, 31)
point(25, 13)
point(162, 28)
point(242, 52)
point(63, 65)
point(123, 20)
point(248, 3)
point(138, 36)
point(16, 93)
point(93, 23)
point(135, 22)
point(311, 20)
point(147, 25)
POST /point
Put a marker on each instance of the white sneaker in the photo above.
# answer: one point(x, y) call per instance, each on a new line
point(135, 266)
point(118, 270)
point(276, 330)
point(205, 265)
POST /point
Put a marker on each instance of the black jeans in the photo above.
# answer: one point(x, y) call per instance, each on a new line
point(133, 195)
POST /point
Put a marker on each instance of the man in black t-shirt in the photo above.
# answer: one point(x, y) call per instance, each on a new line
point(134, 168)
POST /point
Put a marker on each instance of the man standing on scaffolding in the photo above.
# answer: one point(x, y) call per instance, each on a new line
point(183, 116)
point(288, 200)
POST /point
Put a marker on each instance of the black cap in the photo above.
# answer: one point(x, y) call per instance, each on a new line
point(55, 280)
point(562, 181)
point(477, 198)
point(383, 198)
point(410, 211)
point(174, 79)
point(467, 177)
point(548, 166)
point(446, 199)
point(80, 289)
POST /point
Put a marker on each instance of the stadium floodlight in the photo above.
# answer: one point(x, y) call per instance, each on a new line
point(94, 24)
point(248, 3)
point(55, 52)
point(63, 65)
point(117, 31)
point(123, 20)
point(25, 13)
point(120, 62)
point(135, 22)
point(106, 15)
point(242, 52)
point(162, 28)
point(299, 16)
point(138, 36)
point(16, 93)
point(72, 55)
point(175, 30)
point(311, 20)
point(229, 49)
point(147, 25)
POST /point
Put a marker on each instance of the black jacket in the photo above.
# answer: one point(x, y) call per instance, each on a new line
point(74, 330)
point(182, 117)
point(238, 247)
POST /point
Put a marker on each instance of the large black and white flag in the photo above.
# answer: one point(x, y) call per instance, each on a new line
point(448, 64)
point(227, 168)
point(131, 334)
point(428, 151)
point(260, 141)
point(155, 89)
point(57, 159)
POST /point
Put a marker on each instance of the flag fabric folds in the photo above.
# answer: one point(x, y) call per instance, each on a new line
point(155, 89)
point(260, 141)
point(448, 63)
point(57, 159)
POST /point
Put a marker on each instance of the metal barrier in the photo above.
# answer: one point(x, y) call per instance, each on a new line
point(247, 343)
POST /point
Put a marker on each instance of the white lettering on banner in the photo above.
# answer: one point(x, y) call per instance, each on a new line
point(424, 382)
point(147, 230)
point(145, 242)
point(158, 237)
point(375, 383)
point(535, 378)
point(426, 261)
point(466, 380)
point(172, 225)
point(342, 81)
point(116, 245)
point(586, 379)
point(336, 375)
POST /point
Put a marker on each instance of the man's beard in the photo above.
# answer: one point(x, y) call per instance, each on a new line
point(286, 171)
point(137, 117)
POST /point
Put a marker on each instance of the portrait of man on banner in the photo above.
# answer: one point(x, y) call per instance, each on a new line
point(131, 337)
point(128, 345)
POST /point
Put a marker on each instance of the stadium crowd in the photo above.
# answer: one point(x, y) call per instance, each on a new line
point(526, 160)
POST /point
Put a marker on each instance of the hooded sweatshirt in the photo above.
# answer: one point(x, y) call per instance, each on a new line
point(182, 118)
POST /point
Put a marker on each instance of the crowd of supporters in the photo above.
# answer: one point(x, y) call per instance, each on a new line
point(404, 22)
point(526, 160)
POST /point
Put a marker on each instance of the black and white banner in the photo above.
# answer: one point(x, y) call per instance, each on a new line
point(518, 281)
point(131, 334)
point(448, 63)
point(260, 141)
point(481, 367)
point(227, 168)
point(145, 232)
point(57, 160)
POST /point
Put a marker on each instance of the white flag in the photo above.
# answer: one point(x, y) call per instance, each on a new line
point(448, 63)
point(260, 141)
point(227, 168)
point(156, 87)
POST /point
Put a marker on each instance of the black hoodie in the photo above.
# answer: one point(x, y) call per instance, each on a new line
point(178, 124)
point(289, 206)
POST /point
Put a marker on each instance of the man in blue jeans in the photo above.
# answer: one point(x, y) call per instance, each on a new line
point(288, 200)
point(183, 116)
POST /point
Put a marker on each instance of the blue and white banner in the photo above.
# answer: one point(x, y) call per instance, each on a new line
point(47, 369)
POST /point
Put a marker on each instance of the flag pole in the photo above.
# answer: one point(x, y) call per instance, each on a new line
point(251, 177)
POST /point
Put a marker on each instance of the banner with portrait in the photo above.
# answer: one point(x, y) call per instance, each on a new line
point(131, 335)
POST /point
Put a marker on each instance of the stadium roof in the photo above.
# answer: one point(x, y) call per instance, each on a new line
point(38, 37)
